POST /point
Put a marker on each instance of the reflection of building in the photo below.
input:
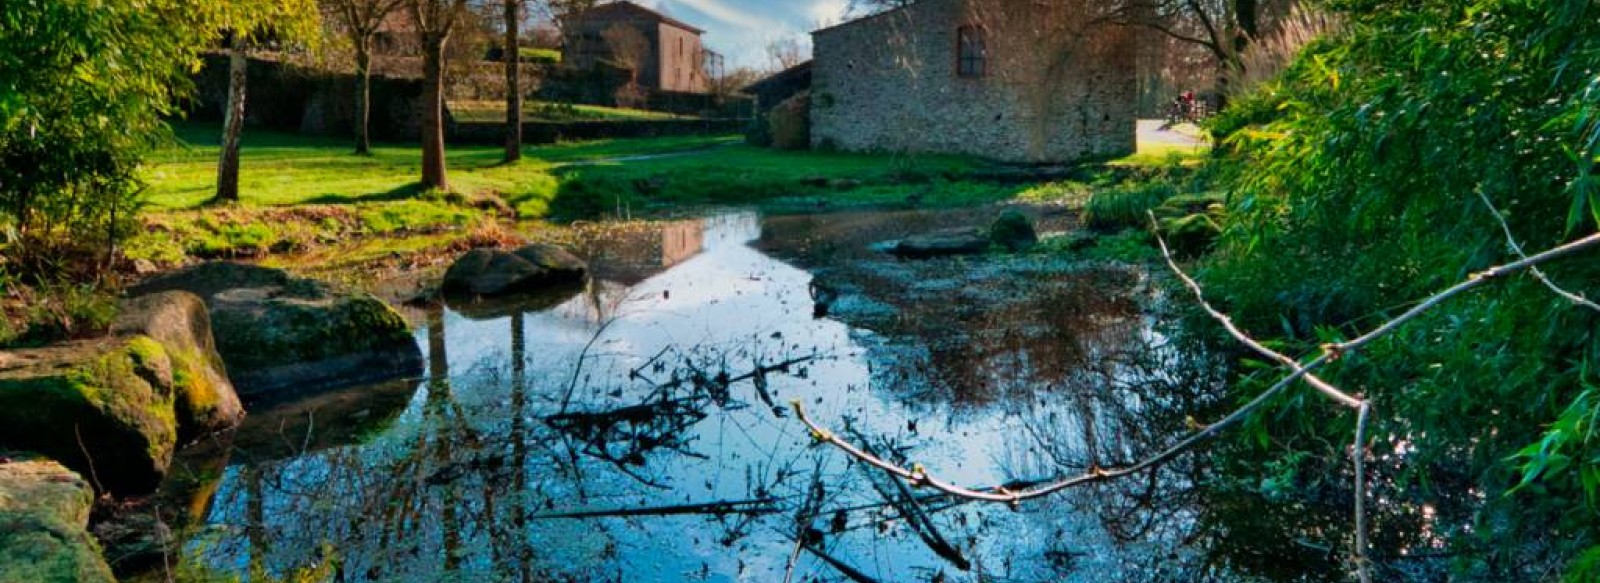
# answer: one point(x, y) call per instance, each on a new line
point(670, 55)
point(631, 255)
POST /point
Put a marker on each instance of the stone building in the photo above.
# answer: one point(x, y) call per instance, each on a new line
point(672, 60)
point(1032, 82)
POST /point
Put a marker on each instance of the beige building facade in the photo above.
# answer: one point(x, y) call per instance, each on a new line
point(1028, 82)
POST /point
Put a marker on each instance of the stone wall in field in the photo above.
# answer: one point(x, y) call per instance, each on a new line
point(287, 98)
point(891, 83)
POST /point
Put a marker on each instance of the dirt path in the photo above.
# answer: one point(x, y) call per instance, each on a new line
point(1150, 132)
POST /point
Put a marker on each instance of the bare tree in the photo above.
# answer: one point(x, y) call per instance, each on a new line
point(785, 52)
point(629, 50)
point(360, 21)
point(513, 60)
point(434, 20)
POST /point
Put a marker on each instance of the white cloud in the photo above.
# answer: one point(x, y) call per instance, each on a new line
point(827, 12)
point(726, 14)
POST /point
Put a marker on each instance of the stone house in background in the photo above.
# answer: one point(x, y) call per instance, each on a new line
point(1017, 82)
point(675, 60)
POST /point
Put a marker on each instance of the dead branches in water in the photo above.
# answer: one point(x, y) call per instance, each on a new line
point(917, 476)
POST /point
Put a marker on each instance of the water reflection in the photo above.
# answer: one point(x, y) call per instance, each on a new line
point(638, 431)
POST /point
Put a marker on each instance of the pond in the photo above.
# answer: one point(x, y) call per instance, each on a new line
point(640, 429)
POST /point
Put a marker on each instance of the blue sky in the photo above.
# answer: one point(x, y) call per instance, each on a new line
point(741, 29)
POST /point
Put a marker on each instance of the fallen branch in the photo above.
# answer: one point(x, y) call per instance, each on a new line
point(753, 506)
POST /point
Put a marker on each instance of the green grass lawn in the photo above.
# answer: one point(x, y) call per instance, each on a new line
point(300, 192)
point(282, 170)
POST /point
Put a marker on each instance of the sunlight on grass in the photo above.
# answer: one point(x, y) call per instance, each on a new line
point(280, 170)
point(1156, 155)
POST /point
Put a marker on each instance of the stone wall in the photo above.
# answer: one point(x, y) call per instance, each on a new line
point(286, 98)
point(890, 83)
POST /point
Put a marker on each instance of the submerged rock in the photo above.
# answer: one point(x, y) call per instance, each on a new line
point(1013, 231)
point(962, 241)
point(44, 511)
point(281, 335)
point(492, 272)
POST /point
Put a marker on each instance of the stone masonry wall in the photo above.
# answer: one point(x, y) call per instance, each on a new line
point(889, 83)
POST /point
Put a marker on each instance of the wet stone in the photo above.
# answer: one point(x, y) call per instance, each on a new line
point(943, 243)
point(492, 272)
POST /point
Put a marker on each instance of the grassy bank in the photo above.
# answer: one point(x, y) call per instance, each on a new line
point(300, 193)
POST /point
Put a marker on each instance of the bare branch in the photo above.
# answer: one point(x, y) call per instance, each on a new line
point(1511, 241)
point(918, 476)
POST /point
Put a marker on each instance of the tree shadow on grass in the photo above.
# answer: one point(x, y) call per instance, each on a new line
point(405, 192)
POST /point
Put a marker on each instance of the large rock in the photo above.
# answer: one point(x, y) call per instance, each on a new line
point(44, 509)
point(492, 272)
point(103, 407)
point(282, 336)
point(115, 408)
point(962, 241)
point(204, 398)
point(1013, 231)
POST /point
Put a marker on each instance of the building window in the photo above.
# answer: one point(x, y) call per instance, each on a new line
point(970, 52)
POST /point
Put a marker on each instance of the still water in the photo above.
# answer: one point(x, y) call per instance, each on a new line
point(639, 429)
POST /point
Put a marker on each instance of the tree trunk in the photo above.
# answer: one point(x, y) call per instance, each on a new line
point(433, 167)
point(513, 59)
point(232, 123)
point(363, 99)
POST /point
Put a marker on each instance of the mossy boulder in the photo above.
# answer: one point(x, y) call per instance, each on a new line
point(1013, 231)
point(280, 341)
point(1191, 235)
point(494, 273)
point(204, 398)
point(283, 336)
point(44, 510)
point(102, 407)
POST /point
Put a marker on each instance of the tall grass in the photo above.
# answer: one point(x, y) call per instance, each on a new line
point(1269, 55)
point(1125, 206)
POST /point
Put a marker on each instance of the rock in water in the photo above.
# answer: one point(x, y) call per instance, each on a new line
point(1013, 231)
point(204, 398)
point(110, 397)
point(115, 408)
point(283, 336)
point(492, 272)
point(964, 241)
point(44, 510)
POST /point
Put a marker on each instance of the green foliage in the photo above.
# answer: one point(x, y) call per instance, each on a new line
point(1355, 180)
point(1126, 206)
point(789, 124)
point(83, 86)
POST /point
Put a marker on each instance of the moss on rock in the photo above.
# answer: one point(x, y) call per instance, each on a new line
point(104, 408)
point(44, 509)
point(204, 398)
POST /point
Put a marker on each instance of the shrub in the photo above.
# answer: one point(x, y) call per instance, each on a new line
point(790, 123)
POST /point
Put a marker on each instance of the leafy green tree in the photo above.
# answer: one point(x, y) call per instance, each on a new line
point(1369, 175)
point(84, 85)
